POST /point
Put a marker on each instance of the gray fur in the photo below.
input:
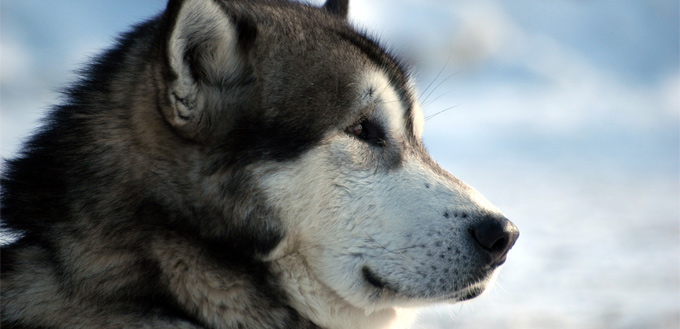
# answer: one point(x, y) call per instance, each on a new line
point(149, 199)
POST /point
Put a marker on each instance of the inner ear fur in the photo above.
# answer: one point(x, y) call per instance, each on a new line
point(205, 52)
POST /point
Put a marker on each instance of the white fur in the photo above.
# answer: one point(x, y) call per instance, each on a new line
point(418, 121)
point(385, 97)
point(343, 213)
point(417, 114)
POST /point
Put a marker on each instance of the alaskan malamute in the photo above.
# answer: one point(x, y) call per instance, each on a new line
point(240, 164)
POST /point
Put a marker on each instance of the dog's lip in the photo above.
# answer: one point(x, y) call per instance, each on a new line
point(501, 261)
point(492, 265)
point(374, 280)
point(472, 292)
point(474, 289)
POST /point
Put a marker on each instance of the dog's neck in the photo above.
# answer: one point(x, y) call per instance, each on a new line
point(319, 303)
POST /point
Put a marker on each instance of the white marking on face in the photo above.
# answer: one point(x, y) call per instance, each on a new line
point(417, 114)
point(418, 120)
point(376, 90)
point(343, 216)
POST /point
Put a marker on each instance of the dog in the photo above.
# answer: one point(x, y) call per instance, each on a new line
point(240, 164)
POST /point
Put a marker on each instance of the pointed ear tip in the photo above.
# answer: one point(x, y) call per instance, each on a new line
point(337, 7)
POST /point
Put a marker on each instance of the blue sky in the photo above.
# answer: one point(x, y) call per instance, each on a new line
point(564, 113)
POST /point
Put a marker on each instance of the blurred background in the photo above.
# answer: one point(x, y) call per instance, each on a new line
point(564, 113)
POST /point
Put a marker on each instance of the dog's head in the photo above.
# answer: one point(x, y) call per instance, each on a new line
point(315, 131)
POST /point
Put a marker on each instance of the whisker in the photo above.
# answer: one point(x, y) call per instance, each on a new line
point(442, 111)
point(451, 313)
point(439, 84)
point(378, 243)
point(437, 76)
point(435, 99)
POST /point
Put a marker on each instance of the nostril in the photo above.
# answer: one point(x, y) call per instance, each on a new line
point(489, 238)
point(481, 238)
point(496, 235)
point(499, 245)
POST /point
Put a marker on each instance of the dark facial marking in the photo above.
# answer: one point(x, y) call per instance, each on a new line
point(372, 278)
point(369, 132)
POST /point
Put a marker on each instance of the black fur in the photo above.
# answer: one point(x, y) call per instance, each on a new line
point(338, 7)
point(70, 185)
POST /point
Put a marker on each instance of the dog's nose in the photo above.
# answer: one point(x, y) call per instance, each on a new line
point(496, 235)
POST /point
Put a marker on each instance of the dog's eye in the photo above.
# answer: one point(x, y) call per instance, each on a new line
point(368, 131)
point(357, 130)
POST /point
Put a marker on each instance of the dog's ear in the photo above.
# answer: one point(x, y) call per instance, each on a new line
point(206, 55)
point(339, 8)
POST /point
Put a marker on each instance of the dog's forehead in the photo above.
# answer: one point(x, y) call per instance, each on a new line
point(375, 92)
point(318, 70)
point(354, 77)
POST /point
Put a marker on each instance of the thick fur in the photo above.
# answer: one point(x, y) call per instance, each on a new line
point(239, 164)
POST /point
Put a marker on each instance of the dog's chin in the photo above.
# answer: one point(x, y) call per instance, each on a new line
point(470, 293)
point(383, 289)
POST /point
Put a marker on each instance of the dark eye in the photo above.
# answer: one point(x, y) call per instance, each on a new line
point(368, 131)
point(357, 130)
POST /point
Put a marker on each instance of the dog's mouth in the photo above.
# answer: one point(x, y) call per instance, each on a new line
point(374, 280)
point(473, 290)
